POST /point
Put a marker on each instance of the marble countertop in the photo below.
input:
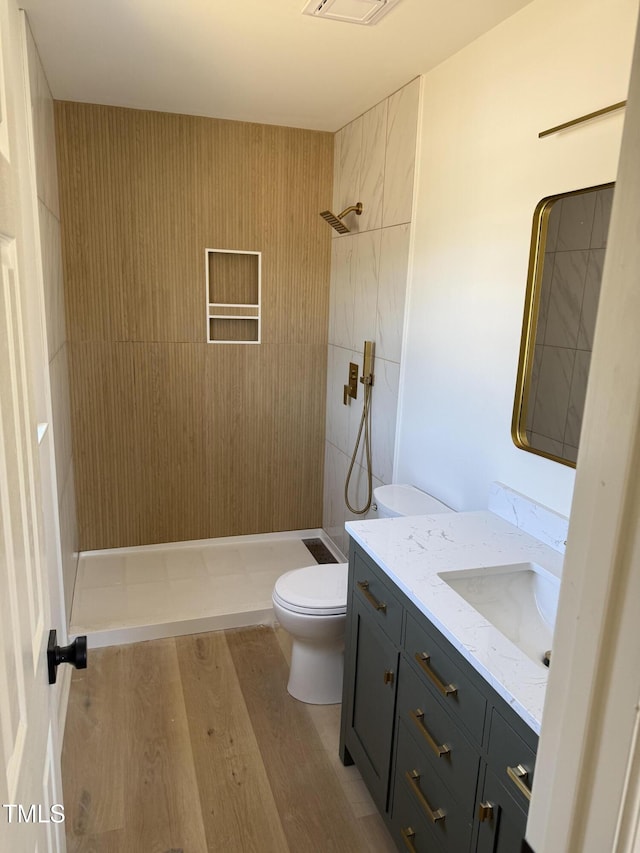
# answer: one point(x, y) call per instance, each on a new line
point(412, 551)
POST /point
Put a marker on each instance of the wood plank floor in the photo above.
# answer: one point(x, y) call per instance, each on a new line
point(192, 744)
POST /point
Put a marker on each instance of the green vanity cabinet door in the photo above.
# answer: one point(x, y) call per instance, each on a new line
point(504, 803)
point(371, 701)
point(502, 821)
point(512, 754)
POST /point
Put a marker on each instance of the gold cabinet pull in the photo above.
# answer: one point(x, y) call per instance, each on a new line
point(440, 749)
point(485, 811)
point(424, 659)
point(380, 606)
point(434, 815)
point(408, 835)
point(388, 676)
point(519, 775)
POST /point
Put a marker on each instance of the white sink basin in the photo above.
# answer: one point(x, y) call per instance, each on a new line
point(520, 600)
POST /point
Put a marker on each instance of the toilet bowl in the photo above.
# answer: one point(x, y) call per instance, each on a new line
point(311, 604)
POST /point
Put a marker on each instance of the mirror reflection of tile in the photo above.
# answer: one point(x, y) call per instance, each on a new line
point(570, 289)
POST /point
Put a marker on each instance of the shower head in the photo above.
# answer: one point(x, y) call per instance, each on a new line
point(336, 221)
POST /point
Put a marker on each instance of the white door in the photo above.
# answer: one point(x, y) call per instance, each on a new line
point(586, 790)
point(29, 771)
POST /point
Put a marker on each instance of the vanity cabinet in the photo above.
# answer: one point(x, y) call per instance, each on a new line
point(447, 761)
point(506, 790)
point(374, 629)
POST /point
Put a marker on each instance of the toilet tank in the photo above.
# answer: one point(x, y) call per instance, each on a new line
point(403, 499)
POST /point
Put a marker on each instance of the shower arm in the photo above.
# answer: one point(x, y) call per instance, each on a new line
point(355, 208)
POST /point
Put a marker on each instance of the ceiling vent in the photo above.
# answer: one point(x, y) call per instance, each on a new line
point(351, 11)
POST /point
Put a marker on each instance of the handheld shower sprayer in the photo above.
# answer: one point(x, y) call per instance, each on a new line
point(367, 367)
point(336, 221)
point(365, 424)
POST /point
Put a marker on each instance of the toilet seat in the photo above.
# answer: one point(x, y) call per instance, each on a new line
point(319, 590)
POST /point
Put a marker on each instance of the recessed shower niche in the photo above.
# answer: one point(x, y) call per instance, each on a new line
point(233, 296)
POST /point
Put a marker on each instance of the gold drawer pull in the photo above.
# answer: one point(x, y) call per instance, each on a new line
point(388, 676)
point(446, 689)
point(519, 775)
point(408, 835)
point(373, 601)
point(434, 815)
point(440, 749)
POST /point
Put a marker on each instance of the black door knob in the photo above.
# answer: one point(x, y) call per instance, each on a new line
point(75, 654)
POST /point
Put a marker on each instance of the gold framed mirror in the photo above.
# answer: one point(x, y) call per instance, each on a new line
point(568, 243)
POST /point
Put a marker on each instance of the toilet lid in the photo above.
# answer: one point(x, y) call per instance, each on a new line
point(316, 590)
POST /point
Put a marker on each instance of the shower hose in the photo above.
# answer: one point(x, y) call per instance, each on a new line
point(365, 424)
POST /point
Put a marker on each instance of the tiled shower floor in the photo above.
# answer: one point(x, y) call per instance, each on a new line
point(125, 595)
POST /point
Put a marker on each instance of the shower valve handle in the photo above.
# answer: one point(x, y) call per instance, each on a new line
point(351, 389)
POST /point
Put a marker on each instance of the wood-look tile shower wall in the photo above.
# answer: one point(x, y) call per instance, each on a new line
point(175, 438)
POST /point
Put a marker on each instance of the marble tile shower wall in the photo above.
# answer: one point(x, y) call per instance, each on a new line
point(51, 248)
point(374, 163)
point(572, 274)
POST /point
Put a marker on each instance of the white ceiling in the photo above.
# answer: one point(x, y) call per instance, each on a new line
point(249, 60)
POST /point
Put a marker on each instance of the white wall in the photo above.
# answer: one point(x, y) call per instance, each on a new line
point(50, 240)
point(482, 169)
point(374, 163)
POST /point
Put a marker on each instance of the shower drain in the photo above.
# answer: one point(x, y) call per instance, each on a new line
point(319, 551)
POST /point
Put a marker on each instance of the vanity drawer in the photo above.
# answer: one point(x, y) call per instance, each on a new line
point(409, 831)
point(512, 758)
point(422, 798)
point(445, 678)
point(373, 588)
point(441, 743)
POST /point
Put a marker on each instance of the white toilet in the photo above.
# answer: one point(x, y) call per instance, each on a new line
point(311, 604)
point(395, 500)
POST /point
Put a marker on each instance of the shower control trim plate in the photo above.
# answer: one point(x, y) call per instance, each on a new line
point(351, 390)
